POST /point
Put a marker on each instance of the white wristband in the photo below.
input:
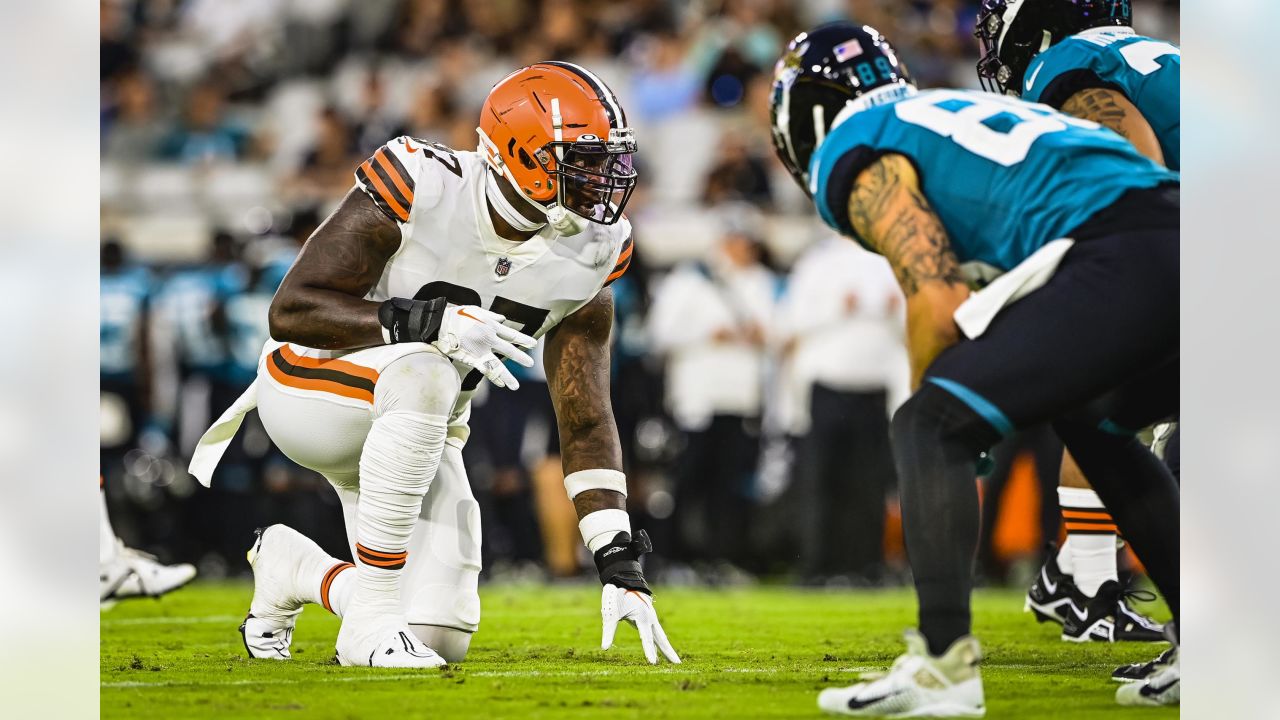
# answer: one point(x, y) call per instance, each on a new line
point(598, 479)
point(602, 526)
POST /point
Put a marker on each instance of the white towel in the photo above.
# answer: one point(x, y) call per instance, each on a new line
point(215, 440)
point(975, 314)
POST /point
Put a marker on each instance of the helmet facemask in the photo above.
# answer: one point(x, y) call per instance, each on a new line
point(594, 177)
point(997, 70)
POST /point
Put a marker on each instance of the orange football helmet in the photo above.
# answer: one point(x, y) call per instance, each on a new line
point(559, 136)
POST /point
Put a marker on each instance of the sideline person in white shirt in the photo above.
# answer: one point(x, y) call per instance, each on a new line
point(841, 326)
point(709, 321)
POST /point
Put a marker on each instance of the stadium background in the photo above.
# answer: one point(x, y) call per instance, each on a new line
point(230, 128)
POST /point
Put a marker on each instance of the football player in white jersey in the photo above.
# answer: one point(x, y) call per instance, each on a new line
point(383, 328)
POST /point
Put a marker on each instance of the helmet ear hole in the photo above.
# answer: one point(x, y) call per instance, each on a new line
point(526, 160)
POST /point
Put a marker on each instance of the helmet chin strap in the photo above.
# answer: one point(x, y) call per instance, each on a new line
point(565, 221)
point(498, 201)
point(560, 217)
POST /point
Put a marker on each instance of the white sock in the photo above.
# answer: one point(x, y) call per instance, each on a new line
point(335, 587)
point(1091, 539)
point(1065, 563)
point(106, 536)
point(400, 458)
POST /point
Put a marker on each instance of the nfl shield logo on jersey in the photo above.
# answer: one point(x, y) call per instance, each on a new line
point(502, 268)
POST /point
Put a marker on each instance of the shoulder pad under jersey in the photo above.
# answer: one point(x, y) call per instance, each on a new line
point(407, 174)
point(625, 245)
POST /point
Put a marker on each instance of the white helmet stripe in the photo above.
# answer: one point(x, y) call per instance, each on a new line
point(1010, 12)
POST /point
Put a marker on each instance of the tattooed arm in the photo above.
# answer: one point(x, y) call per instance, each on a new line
point(1111, 109)
point(890, 213)
point(321, 302)
point(577, 361)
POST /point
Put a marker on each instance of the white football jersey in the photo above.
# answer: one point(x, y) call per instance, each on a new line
point(449, 247)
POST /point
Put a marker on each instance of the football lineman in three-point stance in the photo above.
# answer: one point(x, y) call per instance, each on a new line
point(1076, 234)
point(433, 265)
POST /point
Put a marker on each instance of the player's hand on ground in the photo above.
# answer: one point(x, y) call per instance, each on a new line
point(475, 336)
point(637, 609)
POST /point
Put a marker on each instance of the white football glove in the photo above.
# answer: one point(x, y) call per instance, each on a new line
point(472, 335)
point(636, 608)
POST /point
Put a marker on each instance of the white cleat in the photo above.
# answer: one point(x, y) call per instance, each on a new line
point(137, 574)
point(1163, 687)
point(397, 649)
point(276, 557)
point(918, 685)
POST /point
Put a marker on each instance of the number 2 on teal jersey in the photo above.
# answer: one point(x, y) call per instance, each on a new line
point(1142, 55)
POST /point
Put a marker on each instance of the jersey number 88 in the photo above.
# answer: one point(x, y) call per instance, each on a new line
point(971, 119)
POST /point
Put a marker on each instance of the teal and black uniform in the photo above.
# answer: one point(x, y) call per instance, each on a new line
point(1006, 177)
point(1146, 70)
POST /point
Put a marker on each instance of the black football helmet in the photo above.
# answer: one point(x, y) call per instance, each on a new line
point(1011, 32)
point(820, 73)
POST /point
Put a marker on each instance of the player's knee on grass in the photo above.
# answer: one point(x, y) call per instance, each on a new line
point(424, 382)
point(449, 643)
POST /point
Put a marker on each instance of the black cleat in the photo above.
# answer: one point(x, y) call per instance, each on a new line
point(1051, 595)
point(1133, 626)
point(1137, 672)
point(1107, 617)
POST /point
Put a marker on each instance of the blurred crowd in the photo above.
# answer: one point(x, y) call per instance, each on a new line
point(757, 358)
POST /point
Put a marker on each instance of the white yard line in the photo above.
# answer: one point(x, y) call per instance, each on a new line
point(522, 674)
point(429, 676)
point(109, 622)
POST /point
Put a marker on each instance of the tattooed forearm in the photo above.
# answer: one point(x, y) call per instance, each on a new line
point(891, 214)
point(321, 301)
point(1111, 109)
point(577, 360)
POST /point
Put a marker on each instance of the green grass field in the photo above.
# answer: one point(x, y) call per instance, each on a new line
point(747, 653)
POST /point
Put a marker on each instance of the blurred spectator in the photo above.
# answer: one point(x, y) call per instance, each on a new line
point(665, 83)
point(425, 23)
point(328, 166)
point(708, 320)
point(739, 174)
point(124, 291)
point(116, 52)
point(740, 33)
point(842, 326)
point(135, 130)
point(564, 27)
point(433, 111)
point(190, 352)
point(204, 134)
point(376, 124)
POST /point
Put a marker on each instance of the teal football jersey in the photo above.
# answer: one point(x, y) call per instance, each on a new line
point(1005, 176)
point(1146, 70)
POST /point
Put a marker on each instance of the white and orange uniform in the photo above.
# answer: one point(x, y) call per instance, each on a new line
point(318, 405)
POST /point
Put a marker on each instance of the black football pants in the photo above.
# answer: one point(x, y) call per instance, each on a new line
point(1094, 352)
